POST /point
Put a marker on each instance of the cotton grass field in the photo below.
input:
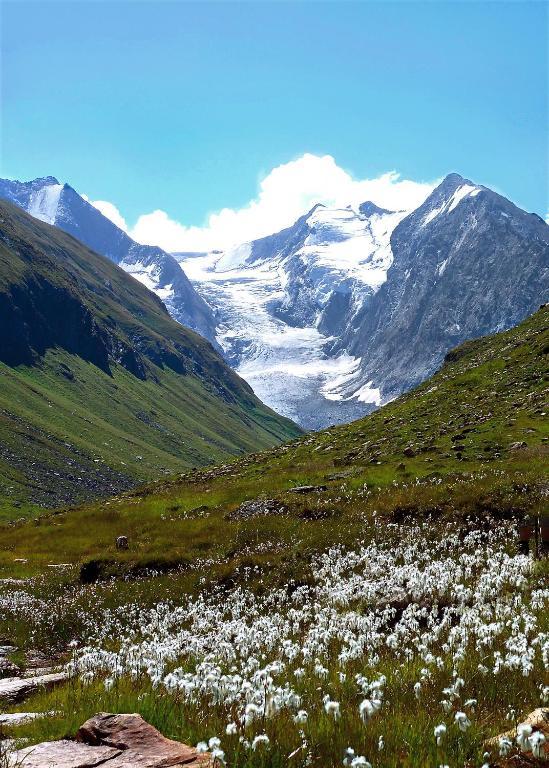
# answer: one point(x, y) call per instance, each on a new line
point(383, 616)
point(408, 650)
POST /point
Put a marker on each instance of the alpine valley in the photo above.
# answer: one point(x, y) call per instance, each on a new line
point(100, 388)
point(345, 309)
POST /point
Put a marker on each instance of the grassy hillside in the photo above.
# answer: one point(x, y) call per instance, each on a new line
point(341, 622)
point(100, 388)
point(471, 441)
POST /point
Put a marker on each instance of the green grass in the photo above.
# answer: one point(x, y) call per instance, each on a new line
point(464, 469)
point(461, 427)
point(94, 370)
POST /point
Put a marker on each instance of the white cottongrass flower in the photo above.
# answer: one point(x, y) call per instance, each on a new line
point(202, 747)
point(367, 708)
point(524, 731)
point(332, 708)
point(417, 690)
point(462, 721)
point(360, 762)
point(349, 755)
point(231, 729)
point(218, 755)
point(440, 731)
point(301, 717)
point(505, 745)
point(537, 740)
point(380, 743)
point(261, 739)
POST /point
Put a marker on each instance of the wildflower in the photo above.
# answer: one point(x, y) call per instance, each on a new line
point(380, 743)
point(361, 761)
point(214, 743)
point(251, 712)
point(505, 745)
point(349, 756)
point(332, 708)
point(462, 721)
point(524, 731)
point(231, 729)
point(417, 690)
point(201, 747)
point(440, 731)
point(367, 708)
point(537, 740)
point(262, 738)
point(218, 755)
point(301, 716)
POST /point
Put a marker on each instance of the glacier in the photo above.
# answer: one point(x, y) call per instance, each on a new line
point(272, 335)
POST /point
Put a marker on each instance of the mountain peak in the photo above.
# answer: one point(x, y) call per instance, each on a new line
point(371, 209)
point(45, 181)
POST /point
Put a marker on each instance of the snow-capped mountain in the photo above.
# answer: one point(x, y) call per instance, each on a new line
point(466, 263)
point(59, 204)
point(348, 308)
point(282, 300)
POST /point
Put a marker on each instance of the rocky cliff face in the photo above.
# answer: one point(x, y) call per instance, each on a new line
point(59, 204)
point(466, 263)
point(348, 308)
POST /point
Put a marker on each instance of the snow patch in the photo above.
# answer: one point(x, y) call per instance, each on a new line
point(466, 190)
point(44, 202)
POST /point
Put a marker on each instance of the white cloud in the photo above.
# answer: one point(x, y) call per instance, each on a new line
point(286, 193)
point(111, 212)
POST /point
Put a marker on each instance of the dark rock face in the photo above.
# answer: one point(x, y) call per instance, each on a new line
point(70, 212)
point(466, 263)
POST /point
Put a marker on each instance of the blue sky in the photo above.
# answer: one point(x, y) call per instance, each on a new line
point(184, 106)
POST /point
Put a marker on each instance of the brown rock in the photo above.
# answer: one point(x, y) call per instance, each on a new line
point(63, 754)
point(113, 741)
point(539, 720)
point(140, 743)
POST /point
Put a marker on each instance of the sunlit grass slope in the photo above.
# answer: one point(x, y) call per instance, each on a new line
point(471, 441)
point(99, 387)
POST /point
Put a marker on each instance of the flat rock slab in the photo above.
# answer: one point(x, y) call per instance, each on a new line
point(63, 754)
point(15, 689)
point(22, 718)
point(115, 741)
point(307, 489)
point(539, 721)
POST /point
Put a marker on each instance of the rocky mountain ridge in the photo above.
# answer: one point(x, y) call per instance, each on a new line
point(59, 204)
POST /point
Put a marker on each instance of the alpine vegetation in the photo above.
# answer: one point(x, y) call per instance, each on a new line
point(410, 649)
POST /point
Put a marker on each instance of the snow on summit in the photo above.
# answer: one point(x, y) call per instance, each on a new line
point(44, 202)
point(273, 297)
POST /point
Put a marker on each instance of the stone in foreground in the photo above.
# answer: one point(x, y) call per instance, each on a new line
point(15, 689)
point(63, 754)
point(115, 741)
point(538, 720)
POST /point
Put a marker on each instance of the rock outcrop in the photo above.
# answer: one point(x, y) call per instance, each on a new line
point(15, 689)
point(115, 741)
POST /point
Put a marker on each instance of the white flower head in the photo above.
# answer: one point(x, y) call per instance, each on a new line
point(462, 721)
point(524, 731)
point(440, 731)
point(505, 745)
point(537, 740)
point(332, 708)
point(261, 740)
